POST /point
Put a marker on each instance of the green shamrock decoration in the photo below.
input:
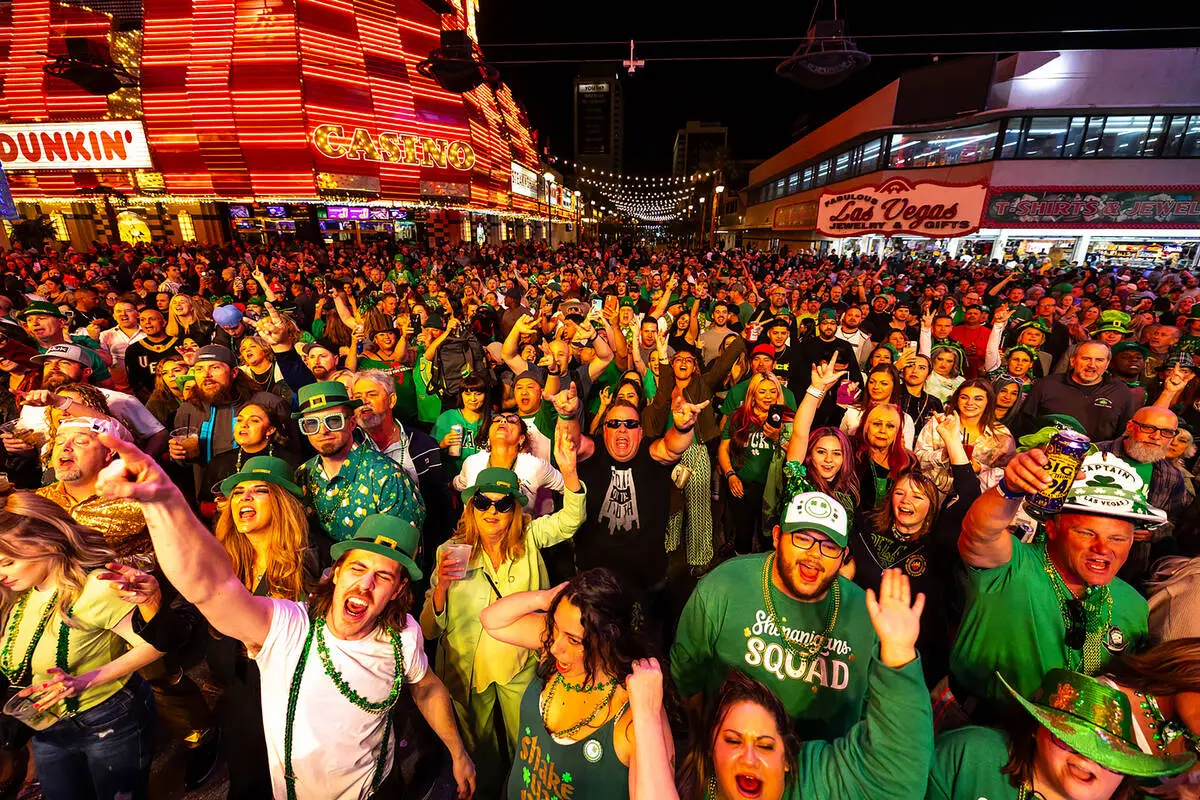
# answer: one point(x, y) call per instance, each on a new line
point(525, 776)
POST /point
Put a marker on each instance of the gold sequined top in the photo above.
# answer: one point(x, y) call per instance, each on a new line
point(121, 521)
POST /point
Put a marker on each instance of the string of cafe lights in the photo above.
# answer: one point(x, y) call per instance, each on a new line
point(585, 171)
point(638, 191)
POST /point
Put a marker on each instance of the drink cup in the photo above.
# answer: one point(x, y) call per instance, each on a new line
point(680, 475)
point(458, 555)
point(23, 709)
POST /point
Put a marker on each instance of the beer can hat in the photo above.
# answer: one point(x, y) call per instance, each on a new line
point(816, 511)
point(1107, 486)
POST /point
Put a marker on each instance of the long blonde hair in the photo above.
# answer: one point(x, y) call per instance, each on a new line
point(33, 528)
point(286, 544)
point(513, 546)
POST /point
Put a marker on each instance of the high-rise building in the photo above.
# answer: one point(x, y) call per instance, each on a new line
point(696, 147)
point(599, 119)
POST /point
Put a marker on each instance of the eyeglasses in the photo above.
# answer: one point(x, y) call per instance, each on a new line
point(333, 423)
point(504, 505)
point(511, 419)
point(805, 541)
point(581, 345)
point(627, 424)
point(1151, 430)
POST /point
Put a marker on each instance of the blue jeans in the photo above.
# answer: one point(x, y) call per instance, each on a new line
point(103, 753)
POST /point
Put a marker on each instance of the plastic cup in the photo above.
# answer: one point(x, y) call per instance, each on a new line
point(458, 555)
point(23, 709)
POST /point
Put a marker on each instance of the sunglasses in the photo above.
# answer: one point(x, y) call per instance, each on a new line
point(511, 419)
point(504, 505)
point(332, 422)
point(628, 424)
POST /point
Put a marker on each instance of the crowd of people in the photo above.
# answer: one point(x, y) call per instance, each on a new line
point(383, 520)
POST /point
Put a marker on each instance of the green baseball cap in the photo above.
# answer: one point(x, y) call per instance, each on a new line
point(1121, 347)
point(322, 395)
point(497, 480)
point(386, 536)
point(42, 307)
point(263, 468)
point(816, 511)
point(1095, 720)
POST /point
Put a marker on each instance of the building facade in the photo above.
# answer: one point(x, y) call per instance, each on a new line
point(267, 120)
point(599, 104)
point(697, 148)
point(1080, 156)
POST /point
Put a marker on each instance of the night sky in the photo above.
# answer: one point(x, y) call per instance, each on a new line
point(762, 110)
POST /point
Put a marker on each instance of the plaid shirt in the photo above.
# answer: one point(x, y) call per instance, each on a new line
point(1168, 490)
point(368, 483)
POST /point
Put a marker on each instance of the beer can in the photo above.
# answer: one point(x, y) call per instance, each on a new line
point(456, 449)
point(1065, 451)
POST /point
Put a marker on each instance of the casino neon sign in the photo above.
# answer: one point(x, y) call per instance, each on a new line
point(390, 147)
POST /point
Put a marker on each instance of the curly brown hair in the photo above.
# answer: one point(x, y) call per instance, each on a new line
point(394, 616)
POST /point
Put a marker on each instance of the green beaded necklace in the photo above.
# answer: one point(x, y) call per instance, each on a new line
point(316, 630)
point(580, 687)
point(1097, 609)
point(62, 657)
point(18, 677)
point(568, 732)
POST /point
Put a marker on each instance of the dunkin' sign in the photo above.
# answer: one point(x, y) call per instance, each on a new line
point(900, 207)
point(115, 144)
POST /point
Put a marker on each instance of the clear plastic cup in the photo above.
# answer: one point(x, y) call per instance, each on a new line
point(458, 555)
point(23, 709)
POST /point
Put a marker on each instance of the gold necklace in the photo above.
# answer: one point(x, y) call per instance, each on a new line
point(812, 648)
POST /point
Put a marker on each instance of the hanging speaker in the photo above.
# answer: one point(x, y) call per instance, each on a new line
point(88, 64)
point(826, 58)
point(456, 66)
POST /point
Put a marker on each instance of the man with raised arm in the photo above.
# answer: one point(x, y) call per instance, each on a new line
point(332, 669)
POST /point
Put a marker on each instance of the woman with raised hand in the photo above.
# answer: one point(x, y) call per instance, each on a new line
point(504, 557)
point(822, 459)
point(746, 748)
point(71, 652)
point(748, 444)
point(884, 386)
point(575, 726)
point(989, 445)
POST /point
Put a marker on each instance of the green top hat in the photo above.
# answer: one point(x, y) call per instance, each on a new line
point(497, 480)
point(1113, 320)
point(322, 395)
point(386, 536)
point(1036, 324)
point(263, 468)
point(1095, 720)
point(41, 307)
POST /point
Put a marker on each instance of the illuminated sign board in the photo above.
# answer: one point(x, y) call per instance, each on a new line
point(276, 211)
point(118, 144)
point(1140, 207)
point(359, 212)
point(398, 213)
point(899, 207)
point(797, 216)
point(338, 212)
point(524, 181)
point(239, 212)
point(593, 88)
point(390, 147)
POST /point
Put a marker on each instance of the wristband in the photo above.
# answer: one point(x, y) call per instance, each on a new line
point(567, 417)
point(1007, 492)
point(812, 391)
point(728, 473)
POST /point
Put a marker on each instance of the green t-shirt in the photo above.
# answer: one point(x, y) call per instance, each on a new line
point(737, 395)
point(1013, 623)
point(725, 626)
point(967, 764)
point(880, 755)
point(609, 378)
point(755, 458)
point(470, 432)
point(744, 312)
point(90, 645)
point(406, 392)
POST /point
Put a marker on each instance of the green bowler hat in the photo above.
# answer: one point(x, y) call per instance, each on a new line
point(1095, 720)
point(322, 395)
point(263, 468)
point(386, 536)
point(497, 480)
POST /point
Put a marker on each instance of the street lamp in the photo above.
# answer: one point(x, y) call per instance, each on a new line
point(578, 217)
point(712, 235)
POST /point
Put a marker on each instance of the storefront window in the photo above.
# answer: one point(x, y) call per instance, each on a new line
point(806, 181)
point(870, 156)
point(132, 227)
point(1152, 141)
point(1123, 137)
point(842, 166)
point(1175, 133)
point(1190, 147)
point(60, 226)
point(187, 230)
point(941, 148)
point(793, 183)
point(1045, 137)
point(1074, 137)
point(1092, 136)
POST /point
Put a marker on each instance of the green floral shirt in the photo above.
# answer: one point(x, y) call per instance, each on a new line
point(367, 483)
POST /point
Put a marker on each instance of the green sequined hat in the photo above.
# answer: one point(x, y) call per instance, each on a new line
point(1095, 720)
point(386, 536)
point(1113, 320)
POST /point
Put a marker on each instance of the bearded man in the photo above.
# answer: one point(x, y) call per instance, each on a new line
point(788, 619)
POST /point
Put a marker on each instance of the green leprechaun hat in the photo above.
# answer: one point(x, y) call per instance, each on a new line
point(1095, 720)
